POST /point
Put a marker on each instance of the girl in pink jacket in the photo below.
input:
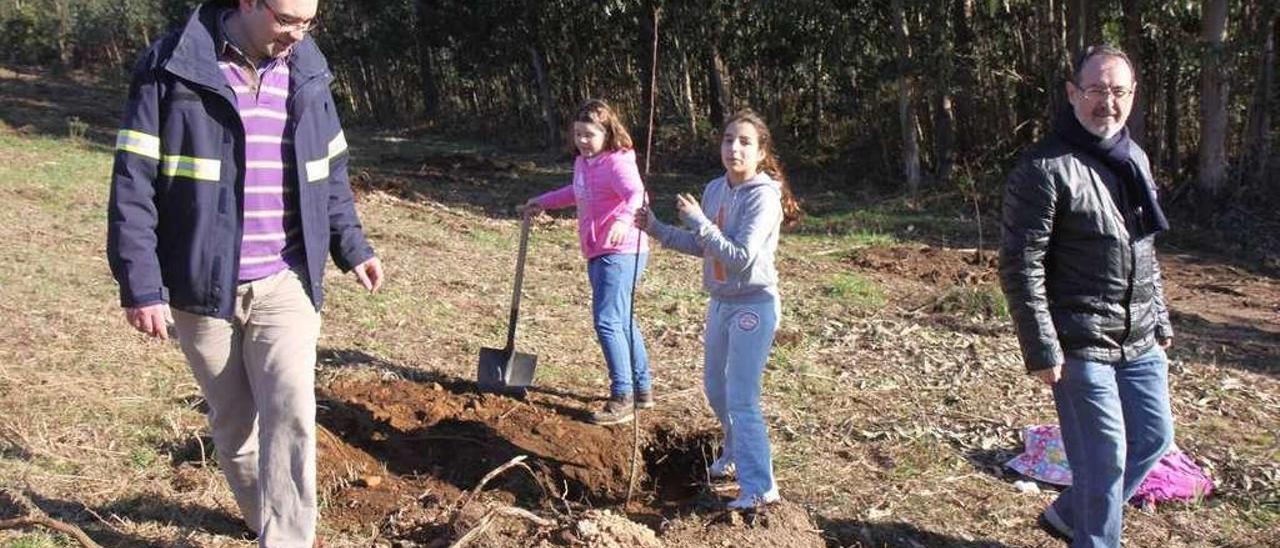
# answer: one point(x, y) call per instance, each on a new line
point(607, 191)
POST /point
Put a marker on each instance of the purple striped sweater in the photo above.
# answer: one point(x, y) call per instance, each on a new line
point(272, 239)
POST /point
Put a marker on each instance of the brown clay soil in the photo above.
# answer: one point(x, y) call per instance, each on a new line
point(397, 456)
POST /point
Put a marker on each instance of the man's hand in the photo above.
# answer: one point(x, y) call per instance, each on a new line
point(152, 319)
point(1050, 376)
point(1165, 343)
point(370, 274)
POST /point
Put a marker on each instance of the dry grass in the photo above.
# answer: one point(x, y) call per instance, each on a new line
point(889, 420)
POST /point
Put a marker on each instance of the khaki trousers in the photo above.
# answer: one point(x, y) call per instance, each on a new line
point(257, 372)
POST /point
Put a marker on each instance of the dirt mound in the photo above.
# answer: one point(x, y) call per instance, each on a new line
point(604, 529)
point(781, 524)
point(397, 458)
point(928, 264)
point(415, 429)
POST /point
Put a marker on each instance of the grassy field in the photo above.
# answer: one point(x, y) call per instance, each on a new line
point(894, 394)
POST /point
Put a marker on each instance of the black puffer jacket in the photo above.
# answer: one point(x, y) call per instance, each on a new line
point(1077, 284)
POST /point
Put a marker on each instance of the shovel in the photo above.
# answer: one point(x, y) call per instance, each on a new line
point(504, 369)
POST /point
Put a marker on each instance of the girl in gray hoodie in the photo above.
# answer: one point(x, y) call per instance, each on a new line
point(735, 230)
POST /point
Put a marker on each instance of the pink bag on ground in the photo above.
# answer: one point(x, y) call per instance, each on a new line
point(1174, 478)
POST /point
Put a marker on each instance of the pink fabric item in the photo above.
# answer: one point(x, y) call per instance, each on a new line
point(605, 189)
point(1175, 476)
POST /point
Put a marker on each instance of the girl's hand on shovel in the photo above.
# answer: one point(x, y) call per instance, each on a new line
point(529, 208)
point(645, 219)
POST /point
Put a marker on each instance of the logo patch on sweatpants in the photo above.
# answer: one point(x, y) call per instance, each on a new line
point(748, 320)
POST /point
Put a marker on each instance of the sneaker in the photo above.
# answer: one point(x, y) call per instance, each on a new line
point(616, 411)
point(721, 468)
point(644, 399)
point(752, 502)
point(1052, 524)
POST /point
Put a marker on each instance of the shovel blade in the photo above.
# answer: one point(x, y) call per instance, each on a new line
point(503, 370)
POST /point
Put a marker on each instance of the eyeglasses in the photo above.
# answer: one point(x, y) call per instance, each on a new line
point(1102, 92)
point(287, 24)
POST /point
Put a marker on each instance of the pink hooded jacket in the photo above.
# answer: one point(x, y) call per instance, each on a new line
point(605, 189)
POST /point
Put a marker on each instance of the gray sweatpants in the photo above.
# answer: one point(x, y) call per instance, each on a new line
point(737, 343)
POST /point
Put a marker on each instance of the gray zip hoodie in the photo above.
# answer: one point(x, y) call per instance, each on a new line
point(736, 235)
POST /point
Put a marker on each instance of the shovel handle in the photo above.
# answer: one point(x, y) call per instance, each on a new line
point(515, 293)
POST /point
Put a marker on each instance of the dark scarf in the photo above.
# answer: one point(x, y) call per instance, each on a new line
point(1135, 195)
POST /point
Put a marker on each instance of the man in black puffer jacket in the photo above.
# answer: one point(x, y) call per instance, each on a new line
point(1078, 267)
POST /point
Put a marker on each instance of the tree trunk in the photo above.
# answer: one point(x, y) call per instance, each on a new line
point(63, 29)
point(944, 136)
point(430, 89)
point(817, 121)
point(550, 117)
point(943, 105)
point(365, 88)
point(1058, 60)
point(1083, 28)
point(906, 114)
point(1212, 173)
point(426, 68)
point(1173, 164)
point(1257, 145)
point(1075, 27)
point(686, 89)
point(515, 89)
point(1133, 45)
point(717, 87)
point(963, 61)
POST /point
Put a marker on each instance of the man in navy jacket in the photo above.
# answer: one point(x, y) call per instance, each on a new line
point(229, 191)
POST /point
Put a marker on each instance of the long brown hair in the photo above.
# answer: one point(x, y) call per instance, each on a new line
point(596, 111)
point(771, 164)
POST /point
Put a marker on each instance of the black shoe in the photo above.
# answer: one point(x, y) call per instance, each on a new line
point(1050, 529)
point(644, 399)
point(616, 411)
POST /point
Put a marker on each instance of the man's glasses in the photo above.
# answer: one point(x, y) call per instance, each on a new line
point(288, 24)
point(1096, 93)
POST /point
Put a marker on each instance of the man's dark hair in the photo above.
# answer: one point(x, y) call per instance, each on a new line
point(1101, 50)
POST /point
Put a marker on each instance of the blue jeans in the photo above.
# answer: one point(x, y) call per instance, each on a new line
point(1116, 424)
point(612, 278)
point(738, 339)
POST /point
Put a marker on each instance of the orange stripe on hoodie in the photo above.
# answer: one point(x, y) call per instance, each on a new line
point(717, 267)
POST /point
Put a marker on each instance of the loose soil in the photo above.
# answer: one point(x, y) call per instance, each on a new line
point(397, 456)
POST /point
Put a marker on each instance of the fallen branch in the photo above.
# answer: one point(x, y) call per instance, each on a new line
point(48, 522)
point(492, 515)
point(517, 461)
point(475, 531)
point(35, 517)
point(513, 512)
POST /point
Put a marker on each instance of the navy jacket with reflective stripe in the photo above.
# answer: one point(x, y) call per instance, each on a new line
point(174, 216)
